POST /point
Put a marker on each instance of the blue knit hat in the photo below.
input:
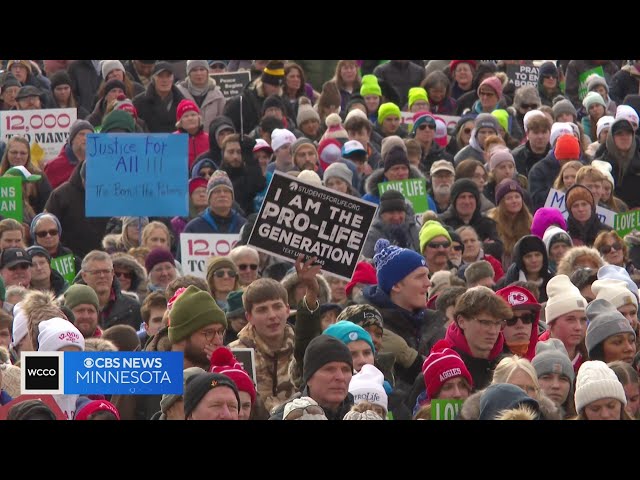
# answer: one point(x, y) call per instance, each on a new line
point(347, 332)
point(394, 263)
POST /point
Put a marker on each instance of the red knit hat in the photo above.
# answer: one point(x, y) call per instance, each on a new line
point(186, 106)
point(196, 183)
point(441, 365)
point(364, 273)
point(454, 64)
point(96, 406)
point(494, 83)
point(567, 148)
point(223, 361)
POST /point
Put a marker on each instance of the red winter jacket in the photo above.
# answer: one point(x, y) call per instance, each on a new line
point(59, 169)
point(198, 143)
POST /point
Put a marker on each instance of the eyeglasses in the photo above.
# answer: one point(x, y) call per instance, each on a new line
point(100, 272)
point(209, 335)
point(44, 233)
point(222, 272)
point(296, 413)
point(528, 106)
point(606, 249)
point(20, 266)
point(427, 125)
point(244, 266)
point(527, 319)
point(458, 248)
point(435, 245)
point(487, 94)
point(490, 323)
point(127, 275)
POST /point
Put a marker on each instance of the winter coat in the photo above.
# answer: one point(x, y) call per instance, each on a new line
point(139, 280)
point(212, 106)
point(79, 233)
point(484, 226)
point(252, 101)
point(404, 236)
point(231, 224)
point(152, 110)
point(402, 76)
point(627, 177)
point(59, 169)
point(214, 154)
point(541, 178)
point(435, 153)
point(525, 158)
point(198, 144)
point(624, 82)
point(85, 81)
point(278, 412)
point(248, 181)
point(471, 407)
point(377, 177)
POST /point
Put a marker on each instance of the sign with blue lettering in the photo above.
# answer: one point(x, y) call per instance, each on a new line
point(135, 174)
point(555, 199)
point(123, 373)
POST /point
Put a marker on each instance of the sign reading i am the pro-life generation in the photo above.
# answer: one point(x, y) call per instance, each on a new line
point(135, 174)
point(300, 218)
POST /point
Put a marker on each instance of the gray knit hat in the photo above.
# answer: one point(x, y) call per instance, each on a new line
point(604, 322)
point(478, 270)
point(552, 357)
point(191, 64)
point(339, 170)
point(564, 106)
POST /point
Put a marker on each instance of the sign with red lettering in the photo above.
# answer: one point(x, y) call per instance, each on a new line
point(196, 248)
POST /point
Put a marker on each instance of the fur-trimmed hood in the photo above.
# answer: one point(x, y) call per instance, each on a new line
point(566, 265)
point(471, 408)
point(139, 281)
point(290, 280)
point(523, 412)
point(377, 176)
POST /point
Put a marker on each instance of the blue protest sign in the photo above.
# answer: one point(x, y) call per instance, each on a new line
point(139, 174)
point(123, 373)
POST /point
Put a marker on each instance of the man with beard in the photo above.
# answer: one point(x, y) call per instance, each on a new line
point(244, 173)
point(84, 304)
point(395, 222)
point(305, 154)
point(442, 176)
point(435, 244)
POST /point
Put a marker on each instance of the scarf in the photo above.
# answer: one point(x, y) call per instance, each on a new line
point(196, 91)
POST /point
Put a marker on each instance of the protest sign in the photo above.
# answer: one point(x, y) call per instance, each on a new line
point(11, 198)
point(413, 189)
point(231, 83)
point(521, 75)
point(555, 199)
point(247, 358)
point(300, 218)
point(582, 79)
point(138, 175)
point(65, 266)
point(196, 248)
point(47, 130)
point(445, 409)
point(627, 222)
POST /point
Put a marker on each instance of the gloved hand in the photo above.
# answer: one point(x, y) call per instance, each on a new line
point(405, 355)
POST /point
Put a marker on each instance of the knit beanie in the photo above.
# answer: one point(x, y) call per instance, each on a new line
point(567, 148)
point(559, 129)
point(503, 118)
point(199, 385)
point(273, 101)
point(555, 235)
point(118, 119)
point(464, 185)
point(273, 73)
point(302, 403)
point(604, 123)
point(548, 69)
point(394, 263)
point(156, 256)
point(348, 332)
point(494, 83)
point(391, 201)
point(363, 314)
point(396, 156)
point(77, 127)
point(219, 179)
point(193, 310)
point(579, 192)
point(544, 218)
point(506, 186)
point(454, 63)
point(87, 408)
point(79, 294)
point(191, 64)
point(486, 120)
point(370, 86)
point(422, 117)
point(415, 94)
point(306, 112)
point(300, 142)
point(196, 183)
point(388, 143)
point(322, 350)
point(223, 361)
point(356, 112)
point(614, 291)
point(604, 322)
point(500, 156)
point(216, 263)
point(335, 128)
point(564, 106)
point(477, 271)
point(431, 230)
point(169, 399)
point(58, 333)
point(442, 365)
point(627, 113)
point(338, 170)
point(387, 109)
point(594, 80)
point(593, 98)
point(309, 176)
point(364, 273)
point(61, 77)
point(552, 357)
point(596, 381)
point(109, 66)
point(126, 105)
point(281, 137)
point(617, 273)
point(367, 386)
point(563, 297)
point(185, 106)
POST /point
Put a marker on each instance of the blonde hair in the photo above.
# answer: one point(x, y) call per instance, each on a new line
point(148, 230)
point(587, 171)
point(509, 365)
point(558, 183)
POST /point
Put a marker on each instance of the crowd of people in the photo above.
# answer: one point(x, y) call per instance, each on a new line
point(497, 298)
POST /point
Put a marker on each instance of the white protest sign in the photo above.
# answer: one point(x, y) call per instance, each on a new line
point(555, 199)
point(196, 248)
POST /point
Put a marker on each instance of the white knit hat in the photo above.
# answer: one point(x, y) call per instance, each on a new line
point(109, 66)
point(605, 169)
point(311, 177)
point(563, 297)
point(20, 323)
point(596, 381)
point(57, 333)
point(603, 122)
point(356, 112)
point(281, 137)
point(628, 113)
point(366, 386)
point(552, 232)
point(558, 129)
point(529, 116)
point(615, 291)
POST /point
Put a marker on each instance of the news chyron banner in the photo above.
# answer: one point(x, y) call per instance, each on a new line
point(106, 373)
point(300, 218)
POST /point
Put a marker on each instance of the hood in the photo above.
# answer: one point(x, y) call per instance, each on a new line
point(127, 261)
point(550, 233)
point(567, 264)
point(456, 338)
point(198, 165)
point(471, 408)
point(531, 243)
point(159, 342)
point(215, 123)
point(291, 279)
point(377, 176)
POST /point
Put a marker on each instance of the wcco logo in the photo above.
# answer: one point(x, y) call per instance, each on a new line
point(42, 373)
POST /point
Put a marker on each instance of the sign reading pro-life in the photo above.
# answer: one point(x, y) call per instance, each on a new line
point(299, 218)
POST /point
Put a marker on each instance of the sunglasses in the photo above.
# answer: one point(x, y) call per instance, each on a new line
point(427, 125)
point(435, 245)
point(244, 266)
point(546, 77)
point(605, 249)
point(221, 273)
point(127, 275)
point(527, 319)
point(44, 233)
point(486, 94)
point(529, 106)
point(458, 248)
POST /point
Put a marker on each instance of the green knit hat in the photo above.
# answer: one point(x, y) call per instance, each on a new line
point(387, 109)
point(79, 294)
point(370, 86)
point(415, 94)
point(193, 310)
point(236, 307)
point(503, 118)
point(431, 230)
point(118, 119)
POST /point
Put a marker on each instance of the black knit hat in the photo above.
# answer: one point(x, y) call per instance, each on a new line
point(464, 185)
point(322, 350)
point(396, 156)
point(353, 100)
point(273, 101)
point(273, 73)
point(61, 77)
point(114, 83)
point(198, 386)
point(392, 201)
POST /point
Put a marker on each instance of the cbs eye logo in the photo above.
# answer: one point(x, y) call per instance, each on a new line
point(41, 373)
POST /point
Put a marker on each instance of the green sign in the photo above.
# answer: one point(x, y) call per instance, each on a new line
point(445, 409)
point(11, 197)
point(627, 222)
point(582, 78)
point(413, 189)
point(65, 266)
